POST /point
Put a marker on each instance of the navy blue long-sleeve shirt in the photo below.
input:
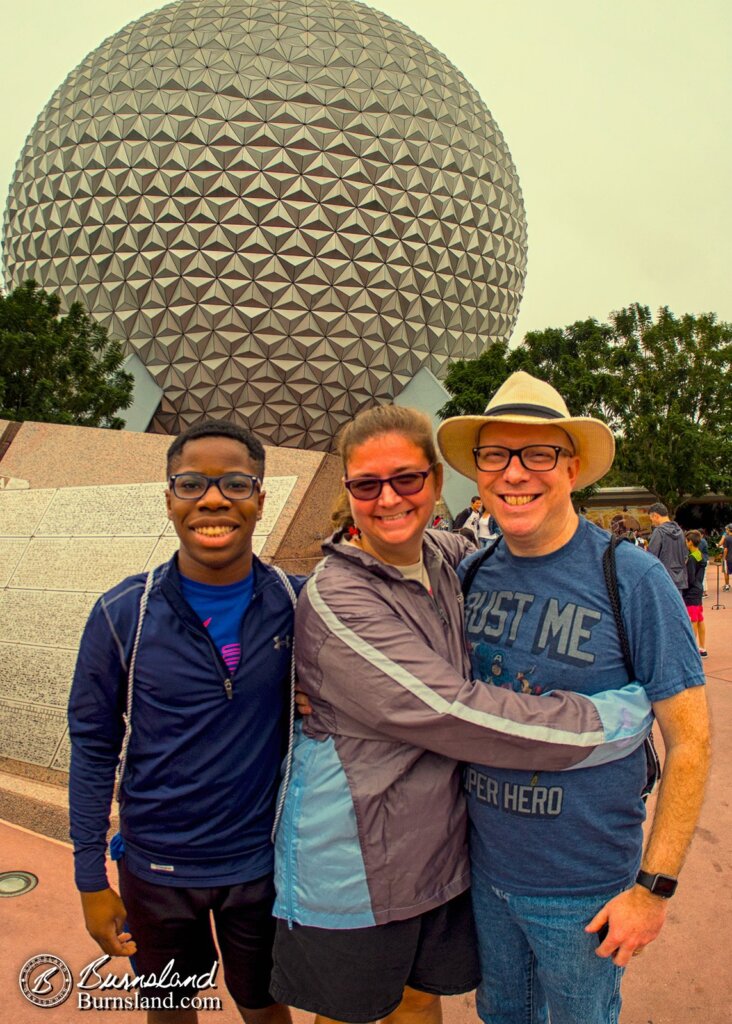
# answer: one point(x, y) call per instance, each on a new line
point(199, 789)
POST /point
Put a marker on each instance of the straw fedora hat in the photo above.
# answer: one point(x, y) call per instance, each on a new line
point(524, 399)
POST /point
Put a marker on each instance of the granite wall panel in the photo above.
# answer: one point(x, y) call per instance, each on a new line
point(127, 510)
point(30, 733)
point(22, 511)
point(36, 675)
point(88, 565)
point(11, 551)
point(40, 617)
point(62, 756)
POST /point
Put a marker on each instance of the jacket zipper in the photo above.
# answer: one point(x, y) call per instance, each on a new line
point(288, 843)
point(228, 682)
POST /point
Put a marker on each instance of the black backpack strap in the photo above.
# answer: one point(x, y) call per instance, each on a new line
point(476, 564)
point(610, 572)
point(609, 569)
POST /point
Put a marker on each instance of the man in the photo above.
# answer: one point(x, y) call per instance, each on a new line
point(201, 662)
point(726, 546)
point(668, 544)
point(468, 516)
point(560, 904)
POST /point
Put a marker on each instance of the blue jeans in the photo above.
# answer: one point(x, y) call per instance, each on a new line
point(538, 963)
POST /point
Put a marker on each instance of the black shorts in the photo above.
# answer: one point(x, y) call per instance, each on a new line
point(359, 974)
point(174, 923)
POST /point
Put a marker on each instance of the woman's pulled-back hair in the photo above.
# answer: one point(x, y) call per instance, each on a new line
point(412, 424)
point(340, 517)
point(388, 419)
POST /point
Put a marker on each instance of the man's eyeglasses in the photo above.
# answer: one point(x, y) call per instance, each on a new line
point(233, 486)
point(537, 458)
point(368, 488)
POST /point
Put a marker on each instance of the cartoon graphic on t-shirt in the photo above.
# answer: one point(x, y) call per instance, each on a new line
point(524, 683)
point(492, 669)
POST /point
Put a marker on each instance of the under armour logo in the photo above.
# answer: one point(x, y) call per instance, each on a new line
point(280, 642)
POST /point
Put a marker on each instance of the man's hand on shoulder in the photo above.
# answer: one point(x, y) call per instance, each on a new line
point(105, 916)
point(634, 918)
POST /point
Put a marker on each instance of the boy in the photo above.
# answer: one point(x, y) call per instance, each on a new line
point(696, 567)
point(206, 654)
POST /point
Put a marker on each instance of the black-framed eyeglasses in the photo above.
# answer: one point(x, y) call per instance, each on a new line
point(368, 488)
point(233, 486)
point(537, 458)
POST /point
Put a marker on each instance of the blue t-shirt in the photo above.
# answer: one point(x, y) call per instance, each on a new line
point(537, 624)
point(221, 609)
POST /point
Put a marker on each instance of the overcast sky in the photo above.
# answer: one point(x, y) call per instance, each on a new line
point(616, 112)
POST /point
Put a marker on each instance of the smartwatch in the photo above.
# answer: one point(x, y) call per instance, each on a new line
point(660, 885)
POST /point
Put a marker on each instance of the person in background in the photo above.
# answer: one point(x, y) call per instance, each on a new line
point(488, 528)
point(668, 544)
point(692, 595)
point(704, 548)
point(469, 516)
point(726, 545)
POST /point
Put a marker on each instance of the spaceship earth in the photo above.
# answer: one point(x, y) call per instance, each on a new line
point(286, 208)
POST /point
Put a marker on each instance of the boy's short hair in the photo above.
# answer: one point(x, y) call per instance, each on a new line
point(694, 536)
point(217, 428)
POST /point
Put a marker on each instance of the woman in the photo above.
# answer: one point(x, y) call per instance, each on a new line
point(486, 527)
point(372, 867)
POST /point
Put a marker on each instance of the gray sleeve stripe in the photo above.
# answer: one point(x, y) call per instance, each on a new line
point(404, 678)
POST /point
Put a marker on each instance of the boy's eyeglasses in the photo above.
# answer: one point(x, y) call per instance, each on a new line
point(368, 488)
point(537, 458)
point(232, 486)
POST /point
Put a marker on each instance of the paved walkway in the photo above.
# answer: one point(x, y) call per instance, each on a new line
point(685, 977)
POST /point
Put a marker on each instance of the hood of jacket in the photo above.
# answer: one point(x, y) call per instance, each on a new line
point(671, 529)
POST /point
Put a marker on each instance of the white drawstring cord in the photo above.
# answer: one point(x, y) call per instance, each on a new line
point(131, 682)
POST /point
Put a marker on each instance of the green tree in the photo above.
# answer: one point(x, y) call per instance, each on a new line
point(674, 400)
point(575, 359)
point(471, 382)
point(664, 387)
point(58, 369)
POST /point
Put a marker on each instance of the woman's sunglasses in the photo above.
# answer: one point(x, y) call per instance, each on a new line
point(368, 488)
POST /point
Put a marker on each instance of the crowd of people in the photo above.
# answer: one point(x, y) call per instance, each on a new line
point(461, 797)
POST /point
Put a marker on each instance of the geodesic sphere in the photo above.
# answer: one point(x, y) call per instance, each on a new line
point(286, 208)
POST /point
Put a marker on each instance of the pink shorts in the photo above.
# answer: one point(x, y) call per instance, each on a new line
point(696, 612)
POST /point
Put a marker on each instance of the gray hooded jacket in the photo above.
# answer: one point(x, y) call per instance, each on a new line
point(668, 544)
